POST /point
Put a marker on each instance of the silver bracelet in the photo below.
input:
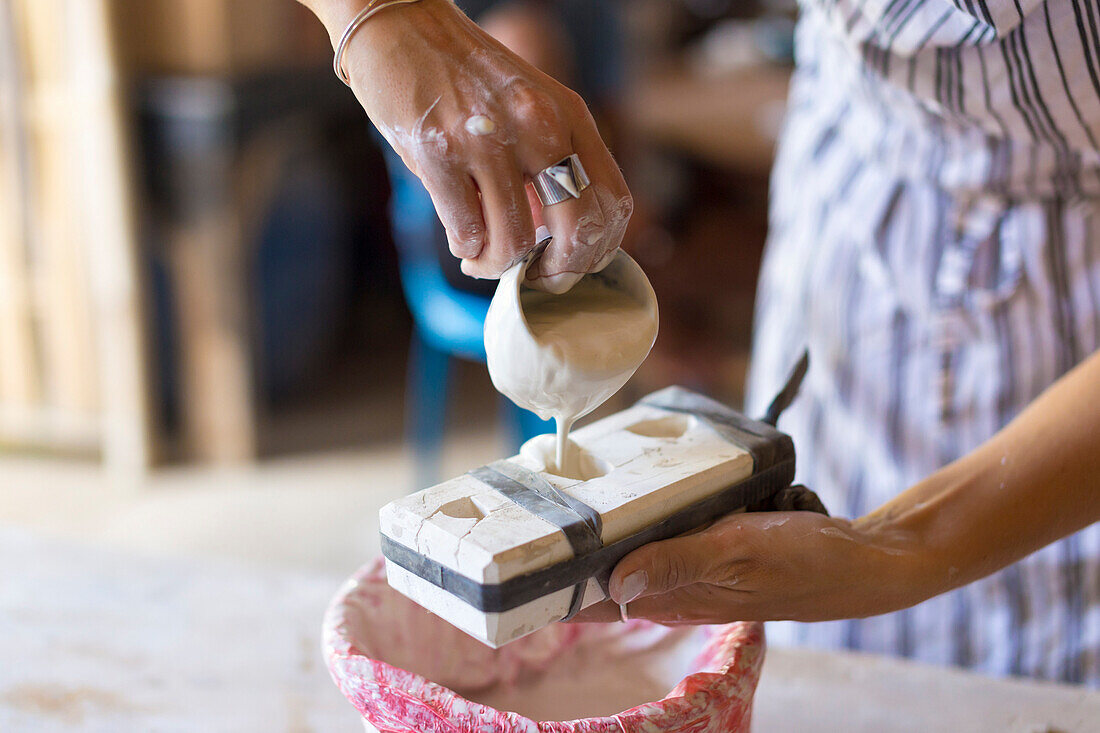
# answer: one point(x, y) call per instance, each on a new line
point(364, 15)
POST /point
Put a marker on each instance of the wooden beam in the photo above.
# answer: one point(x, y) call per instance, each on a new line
point(87, 282)
point(19, 383)
point(118, 290)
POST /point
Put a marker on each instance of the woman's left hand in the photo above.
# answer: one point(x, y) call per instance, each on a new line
point(1032, 483)
point(763, 567)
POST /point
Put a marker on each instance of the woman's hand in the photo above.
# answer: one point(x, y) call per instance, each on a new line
point(1034, 482)
point(763, 567)
point(476, 123)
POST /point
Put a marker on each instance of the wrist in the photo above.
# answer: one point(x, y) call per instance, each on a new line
point(335, 15)
point(894, 555)
point(923, 534)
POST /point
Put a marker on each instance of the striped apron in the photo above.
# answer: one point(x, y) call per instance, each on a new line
point(935, 241)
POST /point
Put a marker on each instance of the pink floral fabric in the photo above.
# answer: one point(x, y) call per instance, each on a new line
point(382, 650)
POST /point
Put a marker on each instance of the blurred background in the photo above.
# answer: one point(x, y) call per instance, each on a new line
point(202, 253)
point(228, 327)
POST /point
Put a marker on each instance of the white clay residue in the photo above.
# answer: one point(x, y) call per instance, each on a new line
point(561, 356)
point(837, 532)
point(594, 242)
point(774, 523)
point(593, 329)
point(480, 125)
point(420, 147)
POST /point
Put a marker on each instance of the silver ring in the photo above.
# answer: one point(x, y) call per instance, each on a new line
point(562, 181)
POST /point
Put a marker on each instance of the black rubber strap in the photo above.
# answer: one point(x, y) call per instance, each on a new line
point(581, 524)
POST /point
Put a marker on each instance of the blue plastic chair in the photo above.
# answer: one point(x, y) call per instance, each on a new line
point(448, 324)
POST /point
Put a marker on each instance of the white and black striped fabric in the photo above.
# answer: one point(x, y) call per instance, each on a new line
point(935, 240)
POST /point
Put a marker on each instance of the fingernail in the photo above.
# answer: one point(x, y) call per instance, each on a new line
point(632, 586)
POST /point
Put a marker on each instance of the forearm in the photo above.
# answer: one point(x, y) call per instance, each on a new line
point(1036, 481)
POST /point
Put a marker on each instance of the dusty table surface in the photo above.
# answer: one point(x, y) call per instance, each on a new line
point(810, 691)
point(98, 640)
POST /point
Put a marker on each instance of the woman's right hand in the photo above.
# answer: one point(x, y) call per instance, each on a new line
point(476, 124)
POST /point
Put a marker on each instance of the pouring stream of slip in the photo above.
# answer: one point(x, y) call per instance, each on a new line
point(562, 356)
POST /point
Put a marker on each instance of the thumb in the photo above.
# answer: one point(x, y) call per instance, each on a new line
point(658, 568)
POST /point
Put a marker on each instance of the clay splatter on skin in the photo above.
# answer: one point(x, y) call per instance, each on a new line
point(772, 523)
point(420, 147)
point(480, 125)
point(840, 534)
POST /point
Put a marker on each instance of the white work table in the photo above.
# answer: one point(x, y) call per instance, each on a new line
point(809, 691)
point(99, 640)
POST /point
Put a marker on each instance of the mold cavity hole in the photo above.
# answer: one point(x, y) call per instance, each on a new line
point(580, 465)
point(672, 426)
point(583, 467)
point(463, 508)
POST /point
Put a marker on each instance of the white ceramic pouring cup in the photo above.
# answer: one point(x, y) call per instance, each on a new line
point(534, 375)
